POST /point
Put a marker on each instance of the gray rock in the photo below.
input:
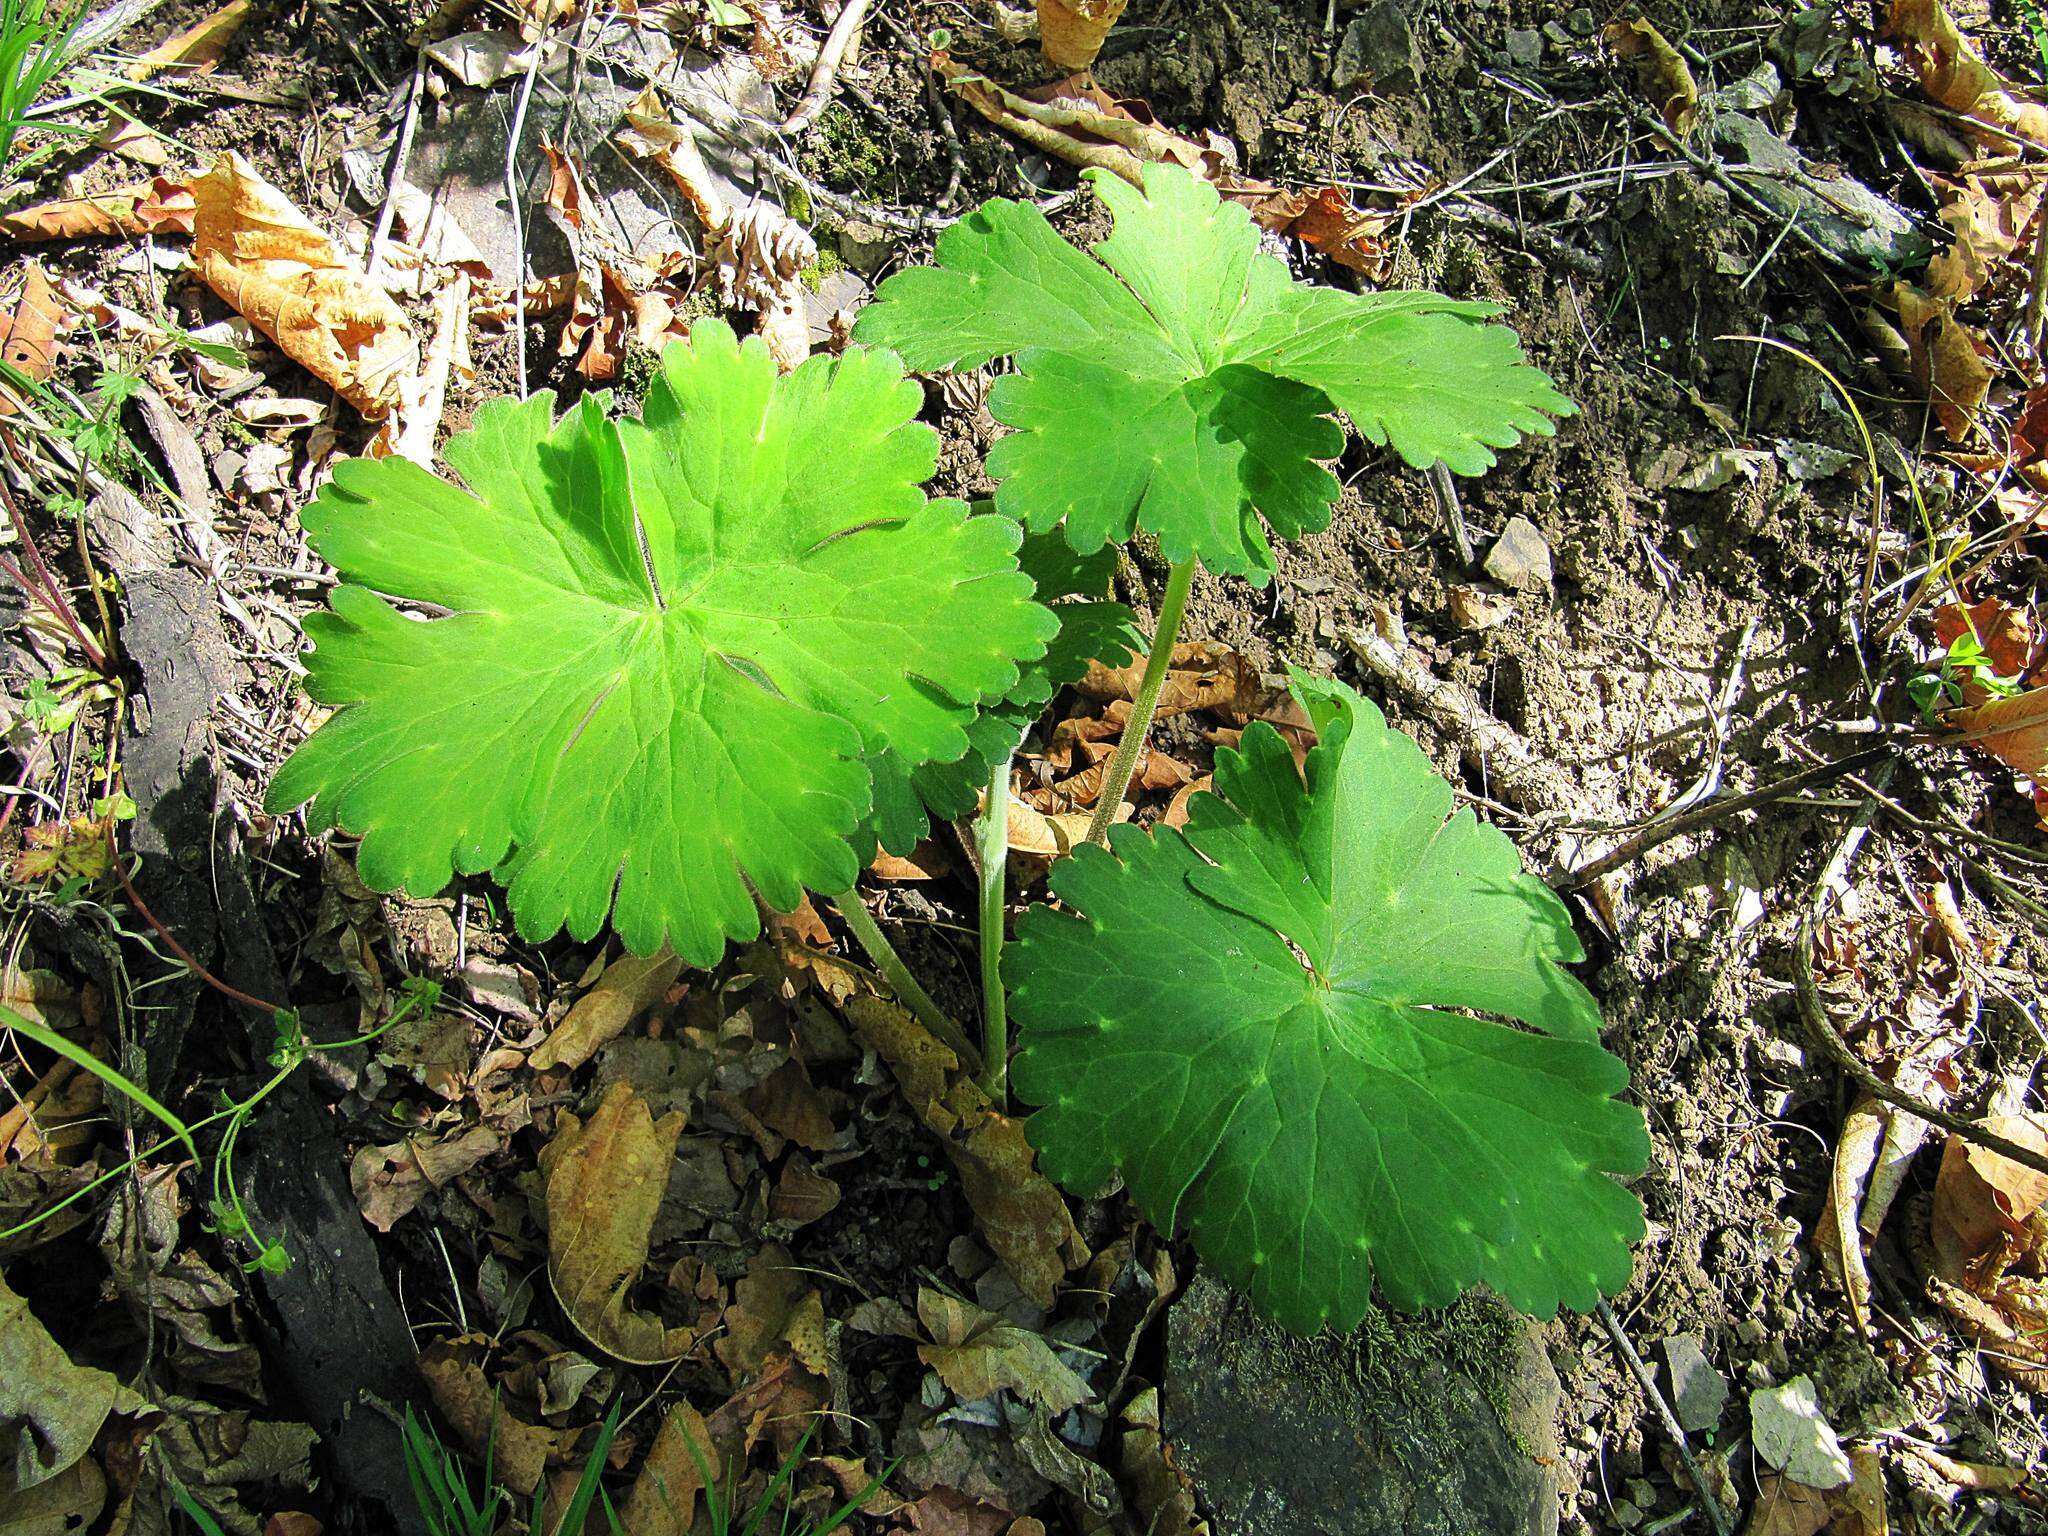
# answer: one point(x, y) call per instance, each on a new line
point(1520, 557)
point(1835, 210)
point(1441, 1425)
point(1698, 1392)
point(1525, 46)
point(1379, 50)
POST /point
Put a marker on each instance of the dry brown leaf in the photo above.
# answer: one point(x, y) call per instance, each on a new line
point(1785, 1507)
point(604, 1182)
point(159, 207)
point(1988, 1209)
point(1953, 73)
point(1839, 1236)
point(775, 1309)
point(1160, 1490)
point(1327, 220)
point(256, 250)
point(802, 1194)
point(2005, 632)
point(976, 1351)
point(1990, 212)
point(628, 987)
point(1071, 32)
point(2024, 452)
point(1079, 122)
point(663, 1500)
point(927, 861)
point(1023, 1217)
point(30, 344)
point(126, 137)
point(1661, 71)
point(2014, 730)
point(198, 48)
point(1948, 358)
point(389, 1181)
point(476, 1411)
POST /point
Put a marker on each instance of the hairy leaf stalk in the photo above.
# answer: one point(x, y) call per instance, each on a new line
point(1171, 607)
point(992, 845)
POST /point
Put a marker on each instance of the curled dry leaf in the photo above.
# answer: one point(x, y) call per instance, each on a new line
point(1952, 72)
point(198, 48)
point(1660, 69)
point(663, 1500)
point(30, 342)
point(1071, 32)
point(1989, 1247)
point(256, 250)
point(1079, 122)
point(2014, 730)
point(1018, 1211)
point(51, 1407)
point(476, 1411)
point(604, 1180)
point(2005, 632)
point(628, 987)
point(1990, 212)
point(1327, 220)
point(158, 207)
point(976, 1351)
point(1947, 357)
point(389, 1181)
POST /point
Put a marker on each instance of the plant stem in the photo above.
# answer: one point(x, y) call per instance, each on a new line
point(906, 987)
point(1171, 606)
point(992, 845)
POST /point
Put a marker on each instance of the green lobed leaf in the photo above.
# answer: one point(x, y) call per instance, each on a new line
point(667, 646)
point(1268, 1025)
point(1091, 628)
point(1184, 382)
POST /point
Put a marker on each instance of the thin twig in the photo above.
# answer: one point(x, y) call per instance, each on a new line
point(1716, 1516)
point(825, 73)
point(1660, 832)
point(46, 586)
point(400, 157)
point(1453, 513)
point(518, 209)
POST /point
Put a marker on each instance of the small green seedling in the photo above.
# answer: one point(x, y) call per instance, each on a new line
point(1327, 1029)
point(1964, 668)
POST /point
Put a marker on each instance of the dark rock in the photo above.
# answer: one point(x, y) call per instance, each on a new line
point(1378, 51)
point(1442, 1425)
point(1698, 1392)
point(1525, 46)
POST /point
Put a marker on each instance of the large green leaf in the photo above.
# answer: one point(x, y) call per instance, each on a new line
point(1185, 385)
point(667, 648)
point(1283, 1028)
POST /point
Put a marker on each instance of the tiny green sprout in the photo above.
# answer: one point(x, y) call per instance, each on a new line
point(1965, 666)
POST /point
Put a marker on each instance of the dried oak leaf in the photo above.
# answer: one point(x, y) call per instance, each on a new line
point(2014, 730)
point(1071, 32)
point(1947, 357)
point(2005, 632)
point(604, 1180)
point(628, 987)
point(1953, 73)
point(29, 345)
point(157, 207)
point(1660, 69)
point(256, 250)
point(1023, 1217)
point(1990, 213)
